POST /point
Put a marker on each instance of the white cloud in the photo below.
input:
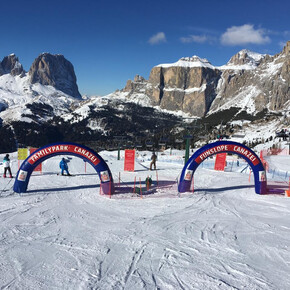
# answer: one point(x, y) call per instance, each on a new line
point(157, 38)
point(245, 34)
point(194, 38)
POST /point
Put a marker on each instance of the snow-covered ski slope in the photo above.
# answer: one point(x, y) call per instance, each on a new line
point(62, 234)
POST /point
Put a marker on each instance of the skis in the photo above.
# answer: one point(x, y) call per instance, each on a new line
point(59, 174)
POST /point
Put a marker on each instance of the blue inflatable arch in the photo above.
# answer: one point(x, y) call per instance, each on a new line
point(51, 150)
point(221, 147)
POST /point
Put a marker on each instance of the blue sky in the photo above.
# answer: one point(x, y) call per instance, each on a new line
point(109, 42)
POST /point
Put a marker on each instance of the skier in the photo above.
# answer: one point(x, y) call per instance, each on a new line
point(6, 163)
point(153, 162)
point(63, 166)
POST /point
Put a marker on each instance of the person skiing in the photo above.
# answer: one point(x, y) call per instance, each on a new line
point(6, 164)
point(153, 161)
point(64, 167)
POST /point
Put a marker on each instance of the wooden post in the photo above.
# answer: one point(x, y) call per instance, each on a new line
point(156, 177)
point(134, 184)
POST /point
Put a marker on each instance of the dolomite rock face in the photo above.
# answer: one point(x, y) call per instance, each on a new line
point(187, 85)
point(56, 71)
point(249, 81)
point(11, 65)
point(136, 86)
point(255, 83)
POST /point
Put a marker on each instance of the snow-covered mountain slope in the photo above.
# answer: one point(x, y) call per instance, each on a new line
point(18, 96)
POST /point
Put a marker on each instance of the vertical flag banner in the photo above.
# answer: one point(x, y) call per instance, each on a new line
point(220, 162)
point(129, 164)
point(22, 153)
point(39, 166)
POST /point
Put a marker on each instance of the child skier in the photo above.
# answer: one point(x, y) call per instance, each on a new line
point(6, 164)
point(64, 167)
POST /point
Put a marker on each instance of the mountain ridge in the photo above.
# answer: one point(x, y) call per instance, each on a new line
point(35, 111)
point(193, 85)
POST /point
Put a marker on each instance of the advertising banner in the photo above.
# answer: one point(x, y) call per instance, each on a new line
point(188, 175)
point(233, 148)
point(105, 177)
point(39, 166)
point(22, 153)
point(129, 164)
point(220, 162)
point(67, 148)
point(22, 175)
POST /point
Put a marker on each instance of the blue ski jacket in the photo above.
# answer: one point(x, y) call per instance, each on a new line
point(63, 164)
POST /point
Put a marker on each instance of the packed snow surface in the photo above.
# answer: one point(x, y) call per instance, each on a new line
point(62, 234)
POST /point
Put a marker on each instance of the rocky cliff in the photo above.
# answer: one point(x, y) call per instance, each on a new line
point(249, 82)
point(187, 85)
point(138, 85)
point(11, 65)
point(56, 71)
point(255, 84)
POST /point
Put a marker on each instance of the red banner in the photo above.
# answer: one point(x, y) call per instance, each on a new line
point(63, 149)
point(39, 166)
point(220, 161)
point(129, 164)
point(228, 148)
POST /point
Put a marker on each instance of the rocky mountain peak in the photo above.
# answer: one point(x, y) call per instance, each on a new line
point(56, 71)
point(139, 79)
point(10, 64)
point(286, 49)
point(246, 57)
point(136, 86)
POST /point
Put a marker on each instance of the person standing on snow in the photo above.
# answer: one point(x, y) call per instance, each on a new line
point(6, 164)
point(153, 161)
point(64, 167)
